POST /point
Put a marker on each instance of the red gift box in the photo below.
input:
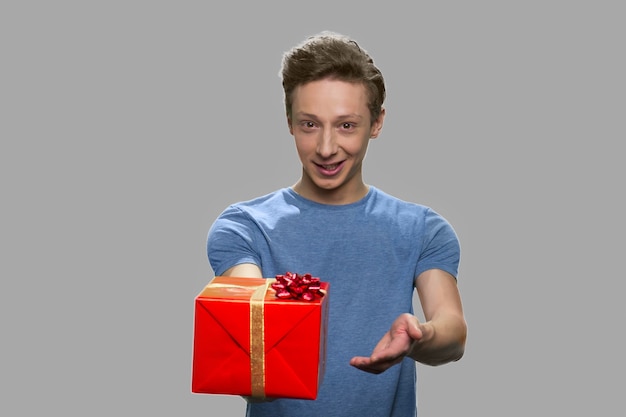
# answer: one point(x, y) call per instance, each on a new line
point(249, 342)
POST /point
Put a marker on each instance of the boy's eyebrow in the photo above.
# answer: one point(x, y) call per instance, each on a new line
point(341, 117)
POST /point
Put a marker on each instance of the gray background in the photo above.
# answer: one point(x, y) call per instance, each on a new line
point(127, 126)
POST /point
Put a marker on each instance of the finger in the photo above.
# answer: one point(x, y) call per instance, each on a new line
point(365, 364)
point(359, 360)
point(374, 366)
point(250, 399)
point(392, 350)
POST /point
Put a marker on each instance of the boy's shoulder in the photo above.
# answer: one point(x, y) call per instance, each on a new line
point(272, 202)
point(384, 198)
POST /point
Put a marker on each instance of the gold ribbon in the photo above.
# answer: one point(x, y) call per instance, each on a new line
point(257, 339)
point(257, 332)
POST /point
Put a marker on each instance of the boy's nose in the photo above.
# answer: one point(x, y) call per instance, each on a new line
point(327, 146)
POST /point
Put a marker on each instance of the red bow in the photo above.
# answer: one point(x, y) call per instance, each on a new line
point(299, 287)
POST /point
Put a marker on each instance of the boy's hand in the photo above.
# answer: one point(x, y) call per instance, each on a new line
point(394, 346)
point(258, 399)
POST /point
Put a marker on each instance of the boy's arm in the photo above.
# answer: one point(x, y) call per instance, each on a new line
point(440, 339)
point(445, 330)
point(244, 270)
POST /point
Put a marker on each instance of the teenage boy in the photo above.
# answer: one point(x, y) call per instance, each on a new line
point(373, 249)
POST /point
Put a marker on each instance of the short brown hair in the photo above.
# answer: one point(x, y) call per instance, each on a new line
point(332, 55)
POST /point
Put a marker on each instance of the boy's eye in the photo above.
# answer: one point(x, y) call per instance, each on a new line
point(347, 125)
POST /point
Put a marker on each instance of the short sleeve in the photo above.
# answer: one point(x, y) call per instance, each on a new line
point(441, 248)
point(230, 240)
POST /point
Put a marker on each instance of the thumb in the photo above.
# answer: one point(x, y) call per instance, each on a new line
point(414, 327)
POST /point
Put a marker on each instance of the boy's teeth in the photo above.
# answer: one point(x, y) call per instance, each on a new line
point(330, 167)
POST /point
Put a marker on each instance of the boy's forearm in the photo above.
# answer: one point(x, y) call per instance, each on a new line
point(443, 341)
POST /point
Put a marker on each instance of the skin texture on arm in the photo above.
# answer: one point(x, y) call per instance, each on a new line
point(445, 330)
point(439, 340)
point(244, 270)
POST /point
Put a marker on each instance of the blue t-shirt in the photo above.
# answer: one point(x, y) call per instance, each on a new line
point(370, 252)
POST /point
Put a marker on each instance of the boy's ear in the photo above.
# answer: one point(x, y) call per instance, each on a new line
point(377, 126)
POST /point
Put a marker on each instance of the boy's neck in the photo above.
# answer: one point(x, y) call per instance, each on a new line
point(337, 196)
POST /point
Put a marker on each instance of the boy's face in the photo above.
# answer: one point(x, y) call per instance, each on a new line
point(331, 126)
